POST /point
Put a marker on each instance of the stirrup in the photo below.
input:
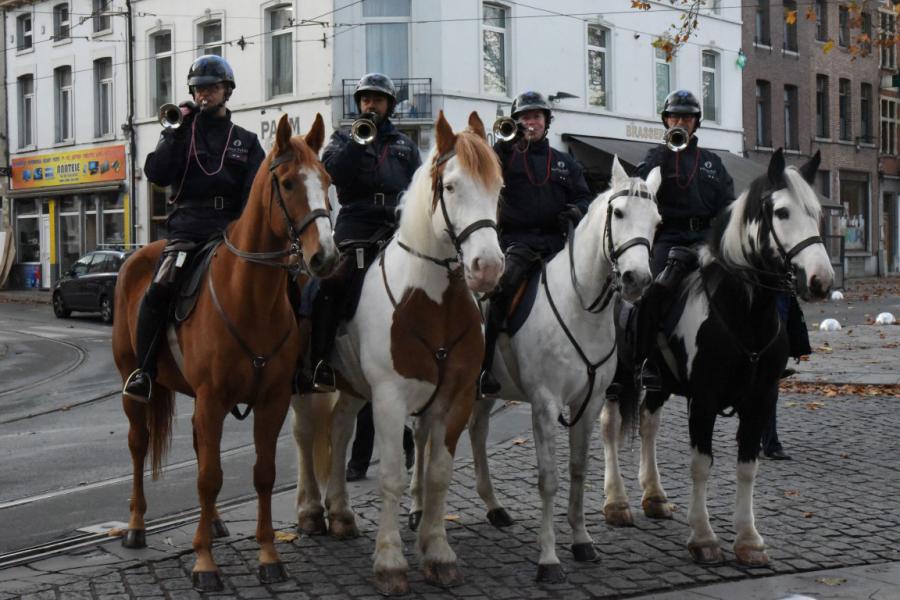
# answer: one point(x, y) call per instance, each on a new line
point(323, 379)
point(138, 386)
point(649, 378)
point(488, 387)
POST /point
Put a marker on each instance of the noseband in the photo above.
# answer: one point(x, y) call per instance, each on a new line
point(787, 256)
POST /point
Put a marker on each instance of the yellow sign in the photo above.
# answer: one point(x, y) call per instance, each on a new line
point(85, 165)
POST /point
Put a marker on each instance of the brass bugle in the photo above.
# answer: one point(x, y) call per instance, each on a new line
point(170, 116)
point(506, 129)
point(363, 131)
point(677, 139)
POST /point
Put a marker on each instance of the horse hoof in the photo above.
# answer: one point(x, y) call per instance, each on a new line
point(751, 557)
point(207, 581)
point(498, 517)
point(706, 555)
point(343, 528)
point(550, 574)
point(618, 515)
point(657, 508)
point(271, 573)
point(445, 575)
point(135, 539)
point(219, 530)
point(584, 552)
point(312, 525)
point(415, 518)
point(391, 583)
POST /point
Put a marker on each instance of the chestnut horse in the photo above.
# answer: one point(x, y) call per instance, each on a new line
point(414, 346)
point(240, 345)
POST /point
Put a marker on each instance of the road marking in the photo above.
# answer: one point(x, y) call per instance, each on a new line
point(54, 332)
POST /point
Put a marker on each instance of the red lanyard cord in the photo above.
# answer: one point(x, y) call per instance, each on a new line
point(192, 151)
point(687, 183)
point(524, 154)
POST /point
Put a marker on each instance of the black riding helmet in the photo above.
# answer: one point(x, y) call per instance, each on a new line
point(532, 100)
point(210, 69)
point(681, 102)
point(376, 82)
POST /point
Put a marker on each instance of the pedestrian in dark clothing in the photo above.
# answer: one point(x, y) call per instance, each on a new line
point(544, 192)
point(210, 164)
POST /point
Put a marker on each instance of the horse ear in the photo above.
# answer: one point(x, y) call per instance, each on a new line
point(316, 136)
point(283, 134)
point(476, 125)
point(618, 172)
point(808, 171)
point(776, 168)
point(654, 179)
point(446, 139)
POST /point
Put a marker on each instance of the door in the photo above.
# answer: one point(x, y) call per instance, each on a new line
point(45, 251)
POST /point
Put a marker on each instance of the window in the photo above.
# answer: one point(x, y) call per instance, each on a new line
point(865, 33)
point(280, 63)
point(824, 179)
point(23, 32)
point(822, 129)
point(790, 29)
point(843, 26)
point(598, 70)
point(709, 72)
point(103, 97)
point(61, 22)
point(763, 114)
point(102, 22)
point(844, 104)
point(762, 23)
point(865, 113)
point(889, 116)
point(387, 40)
point(160, 70)
point(714, 6)
point(28, 236)
point(821, 20)
point(791, 106)
point(209, 35)
point(493, 43)
point(158, 212)
point(854, 189)
point(62, 82)
point(113, 208)
point(888, 55)
point(26, 111)
point(663, 78)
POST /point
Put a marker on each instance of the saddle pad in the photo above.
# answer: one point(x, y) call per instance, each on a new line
point(523, 303)
point(194, 273)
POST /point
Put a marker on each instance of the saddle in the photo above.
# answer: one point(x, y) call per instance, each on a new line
point(191, 278)
point(522, 302)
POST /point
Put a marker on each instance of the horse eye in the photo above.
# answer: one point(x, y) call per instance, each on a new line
point(449, 188)
point(618, 213)
point(287, 184)
point(782, 213)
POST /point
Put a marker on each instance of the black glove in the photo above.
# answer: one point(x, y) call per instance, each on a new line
point(572, 214)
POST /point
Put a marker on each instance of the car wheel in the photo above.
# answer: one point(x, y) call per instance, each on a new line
point(59, 307)
point(106, 309)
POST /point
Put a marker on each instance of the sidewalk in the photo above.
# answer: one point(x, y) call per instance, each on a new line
point(25, 296)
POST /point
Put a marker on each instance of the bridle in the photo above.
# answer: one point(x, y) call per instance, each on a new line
point(272, 259)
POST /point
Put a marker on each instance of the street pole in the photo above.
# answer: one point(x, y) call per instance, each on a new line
point(132, 143)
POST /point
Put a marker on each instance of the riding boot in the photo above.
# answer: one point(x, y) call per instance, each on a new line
point(487, 384)
point(798, 334)
point(324, 330)
point(152, 316)
point(652, 308)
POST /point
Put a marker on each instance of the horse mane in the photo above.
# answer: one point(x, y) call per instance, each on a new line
point(478, 158)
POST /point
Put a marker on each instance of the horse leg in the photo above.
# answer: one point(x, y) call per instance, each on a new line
point(416, 489)
point(543, 418)
point(579, 455)
point(479, 425)
point(341, 519)
point(390, 566)
point(310, 511)
point(138, 443)
point(749, 547)
point(208, 422)
point(703, 544)
point(268, 417)
point(655, 502)
point(615, 508)
point(219, 529)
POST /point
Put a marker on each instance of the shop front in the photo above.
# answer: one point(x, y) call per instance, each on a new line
point(65, 204)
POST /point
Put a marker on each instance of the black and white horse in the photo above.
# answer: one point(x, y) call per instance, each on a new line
point(723, 347)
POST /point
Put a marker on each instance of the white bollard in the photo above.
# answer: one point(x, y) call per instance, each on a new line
point(836, 295)
point(885, 318)
point(829, 325)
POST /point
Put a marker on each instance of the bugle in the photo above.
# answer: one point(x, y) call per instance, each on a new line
point(677, 139)
point(170, 116)
point(363, 131)
point(506, 129)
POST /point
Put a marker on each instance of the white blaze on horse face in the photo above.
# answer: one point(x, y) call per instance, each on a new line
point(317, 198)
point(633, 217)
point(468, 201)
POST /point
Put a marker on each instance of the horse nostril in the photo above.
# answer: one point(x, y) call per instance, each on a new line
point(628, 278)
point(315, 263)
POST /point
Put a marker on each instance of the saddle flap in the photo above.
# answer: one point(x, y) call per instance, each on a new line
point(194, 273)
point(522, 302)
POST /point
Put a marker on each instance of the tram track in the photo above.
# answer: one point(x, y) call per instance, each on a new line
point(81, 356)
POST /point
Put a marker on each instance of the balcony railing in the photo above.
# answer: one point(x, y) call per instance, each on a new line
point(413, 98)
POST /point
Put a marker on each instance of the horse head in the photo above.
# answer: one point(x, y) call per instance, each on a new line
point(629, 224)
point(466, 180)
point(298, 189)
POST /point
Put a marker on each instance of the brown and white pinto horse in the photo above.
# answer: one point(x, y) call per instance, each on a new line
point(414, 346)
point(240, 345)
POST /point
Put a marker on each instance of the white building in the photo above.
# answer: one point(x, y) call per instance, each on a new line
point(302, 57)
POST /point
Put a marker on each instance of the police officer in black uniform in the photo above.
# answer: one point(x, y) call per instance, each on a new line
point(695, 187)
point(544, 191)
point(369, 178)
point(210, 164)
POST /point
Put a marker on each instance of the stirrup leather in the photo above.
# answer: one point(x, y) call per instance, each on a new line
point(323, 378)
point(648, 377)
point(488, 387)
point(131, 380)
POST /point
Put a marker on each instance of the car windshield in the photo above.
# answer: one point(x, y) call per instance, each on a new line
point(81, 267)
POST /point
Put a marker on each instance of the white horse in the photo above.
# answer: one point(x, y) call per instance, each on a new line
point(563, 357)
point(414, 346)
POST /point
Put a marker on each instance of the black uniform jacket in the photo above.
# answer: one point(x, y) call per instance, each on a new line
point(205, 204)
point(369, 179)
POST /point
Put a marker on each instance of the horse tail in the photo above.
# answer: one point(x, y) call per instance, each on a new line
point(160, 414)
point(321, 415)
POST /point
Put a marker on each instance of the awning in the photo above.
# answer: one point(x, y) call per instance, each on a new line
point(63, 190)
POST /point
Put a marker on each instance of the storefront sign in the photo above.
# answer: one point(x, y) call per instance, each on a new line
point(85, 165)
point(643, 132)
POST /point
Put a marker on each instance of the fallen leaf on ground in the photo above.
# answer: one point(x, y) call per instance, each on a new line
point(283, 536)
point(807, 515)
point(451, 517)
point(115, 532)
point(845, 455)
point(832, 581)
point(519, 441)
point(791, 493)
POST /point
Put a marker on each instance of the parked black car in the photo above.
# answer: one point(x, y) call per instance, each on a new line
point(89, 285)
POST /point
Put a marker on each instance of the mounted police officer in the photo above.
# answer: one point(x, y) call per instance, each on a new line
point(544, 192)
point(370, 169)
point(695, 187)
point(210, 164)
